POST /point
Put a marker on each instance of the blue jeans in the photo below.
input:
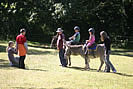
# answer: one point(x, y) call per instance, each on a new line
point(61, 56)
point(108, 63)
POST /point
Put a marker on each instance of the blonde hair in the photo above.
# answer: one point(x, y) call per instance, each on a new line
point(103, 35)
point(9, 43)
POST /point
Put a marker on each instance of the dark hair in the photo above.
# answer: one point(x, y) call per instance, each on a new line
point(22, 30)
point(103, 35)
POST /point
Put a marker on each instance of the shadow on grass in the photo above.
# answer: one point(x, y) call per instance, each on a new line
point(40, 46)
point(35, 88)
point(36, 69)
point(95, 70)
point(4, 64)
point(81, 69)
point(124, 74)
point(2, 48)
point(60, 88)
point(37, 52)
point(123, 53)
point(27, 88)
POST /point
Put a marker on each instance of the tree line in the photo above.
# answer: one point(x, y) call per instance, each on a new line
point(41, 18)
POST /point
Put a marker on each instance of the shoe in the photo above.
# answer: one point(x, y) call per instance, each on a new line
point(64, 65)
point(114, 71)
point(106, 70)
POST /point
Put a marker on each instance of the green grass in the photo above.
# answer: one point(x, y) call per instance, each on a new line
point(43, 71)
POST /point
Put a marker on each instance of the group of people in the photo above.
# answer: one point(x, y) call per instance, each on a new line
point(20, 49)
point(75, 39)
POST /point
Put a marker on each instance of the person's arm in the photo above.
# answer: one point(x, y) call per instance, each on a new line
point(25, 43)
point(107, 43)
point(26, 46)
point(17, 43)
point(89, 39)
point(58, 42)
point(64, 41)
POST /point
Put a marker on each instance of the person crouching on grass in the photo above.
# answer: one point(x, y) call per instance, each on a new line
point(60, 42)
point(14, 61)
point(107, 42)
point(22, 47)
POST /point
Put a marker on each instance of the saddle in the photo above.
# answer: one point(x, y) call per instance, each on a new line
point(93, 46)
point(92, 50)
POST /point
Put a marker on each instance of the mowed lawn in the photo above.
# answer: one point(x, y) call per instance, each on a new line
point(43, 71)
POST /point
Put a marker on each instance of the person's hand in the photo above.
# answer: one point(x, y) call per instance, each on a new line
point(87, 41)
point(70, 38)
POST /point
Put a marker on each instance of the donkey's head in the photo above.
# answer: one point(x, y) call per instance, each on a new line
point(53, 41)
point(67, 50)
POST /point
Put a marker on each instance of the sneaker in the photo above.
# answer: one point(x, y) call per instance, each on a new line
point(64, 65)
point(114, 71)
point(106, 70)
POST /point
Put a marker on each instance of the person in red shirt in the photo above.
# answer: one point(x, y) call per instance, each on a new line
point(22, 48)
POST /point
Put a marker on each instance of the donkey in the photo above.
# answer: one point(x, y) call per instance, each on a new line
point(79, 50)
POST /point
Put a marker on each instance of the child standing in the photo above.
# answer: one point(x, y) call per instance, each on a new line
point(14, 61)
point(91, 39)
point(107, 43)
point(76, 37)
point(60, 43)
point(21, 47)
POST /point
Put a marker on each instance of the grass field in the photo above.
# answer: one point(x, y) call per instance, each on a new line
point(43, 71)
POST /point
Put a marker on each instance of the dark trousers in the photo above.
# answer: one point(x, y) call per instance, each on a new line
point(21, 62)
point(61, 56)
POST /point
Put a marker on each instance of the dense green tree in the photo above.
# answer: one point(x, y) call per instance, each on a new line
point(41, 18)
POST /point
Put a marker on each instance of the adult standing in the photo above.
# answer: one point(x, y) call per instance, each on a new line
point(22, 48)
point(60, 42)
point(107, 43)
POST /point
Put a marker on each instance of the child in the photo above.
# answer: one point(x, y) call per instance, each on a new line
point(91, 40)
point(22, 47)
point(14, 61)
point(106, 40)
point(76, 37)
point(60, 42)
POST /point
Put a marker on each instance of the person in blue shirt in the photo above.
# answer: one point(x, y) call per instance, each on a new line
point(76, 37)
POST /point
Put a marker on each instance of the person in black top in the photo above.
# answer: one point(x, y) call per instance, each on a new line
point(107, 43)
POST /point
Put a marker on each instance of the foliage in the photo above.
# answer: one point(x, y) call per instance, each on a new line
point(42, 18)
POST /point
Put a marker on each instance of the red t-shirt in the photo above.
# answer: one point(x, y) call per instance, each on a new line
point(20, 39)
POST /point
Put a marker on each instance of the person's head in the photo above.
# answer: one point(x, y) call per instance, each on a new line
point(91, 31)
point(10, 44)
point(76, 29)
point(103, 35)
point(59, 31)
point(23, 31)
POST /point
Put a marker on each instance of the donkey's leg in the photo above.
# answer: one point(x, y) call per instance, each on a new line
point(87, 60)
point(69, 61)
point(102, 62)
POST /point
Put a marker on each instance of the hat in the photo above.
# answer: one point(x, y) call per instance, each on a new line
point(91, 30)
point(76, 28)
point(59, 30)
